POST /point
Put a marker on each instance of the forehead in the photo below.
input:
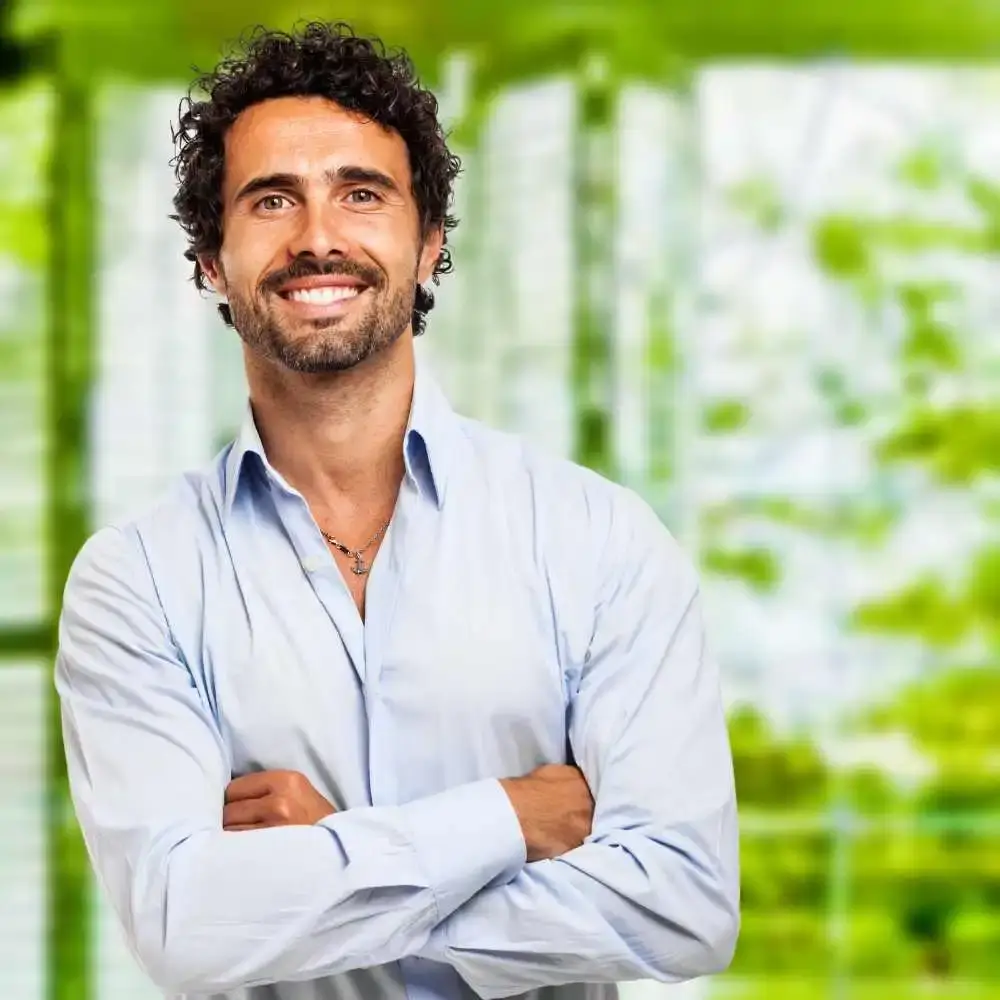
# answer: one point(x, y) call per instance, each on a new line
point(306, 136)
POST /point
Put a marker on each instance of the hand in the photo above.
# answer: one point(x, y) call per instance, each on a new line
point(272, 798)
point(555, 808)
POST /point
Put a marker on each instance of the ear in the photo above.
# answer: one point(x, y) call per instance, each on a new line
point(212, 271)
point(429, 253)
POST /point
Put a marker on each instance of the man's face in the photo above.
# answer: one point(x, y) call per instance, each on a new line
point(322, 247)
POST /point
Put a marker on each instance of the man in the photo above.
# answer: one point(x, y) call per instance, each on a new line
point(383, 703)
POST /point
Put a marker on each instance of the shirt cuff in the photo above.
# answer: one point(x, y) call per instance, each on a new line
point(465, 839)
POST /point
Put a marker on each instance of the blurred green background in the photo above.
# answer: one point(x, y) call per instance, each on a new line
point(742, 257)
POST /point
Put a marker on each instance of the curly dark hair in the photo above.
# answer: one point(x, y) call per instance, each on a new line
point(318, 60)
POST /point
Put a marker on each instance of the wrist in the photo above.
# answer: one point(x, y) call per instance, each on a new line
point(514, 789)
point(510, 787)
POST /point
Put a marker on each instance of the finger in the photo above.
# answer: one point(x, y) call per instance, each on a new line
point(249, 786)
point(245, 811)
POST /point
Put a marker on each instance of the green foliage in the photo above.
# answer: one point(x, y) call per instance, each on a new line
point(867, 521)
point(923, 897)
point(849, 247)
point(922, 609)
point(22, 231)
point(877, 945)
point(783, 786)
point(840, 247)
point(773, 774)
point(725, 416)
point(928, 340)
point(781, 941)
point(974, 936)
point(984, 195)
point(784, 876)
point(939, 615)
point(882, 985)
point(953, 716)
point(923, 168)
point(25, 110)
point(957, 444)
point(939, 873)
point(757, 567)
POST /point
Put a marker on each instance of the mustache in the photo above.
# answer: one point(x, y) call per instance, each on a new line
point(310, 267)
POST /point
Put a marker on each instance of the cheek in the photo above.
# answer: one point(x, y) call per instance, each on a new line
point(391, 245)
point(247, 257)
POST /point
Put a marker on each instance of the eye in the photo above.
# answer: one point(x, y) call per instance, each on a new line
point(272, 202)
point(364, 196)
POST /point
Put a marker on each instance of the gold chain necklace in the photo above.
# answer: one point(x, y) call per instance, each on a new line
point(360, 567)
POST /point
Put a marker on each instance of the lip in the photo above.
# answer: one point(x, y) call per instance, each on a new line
point(321, 281)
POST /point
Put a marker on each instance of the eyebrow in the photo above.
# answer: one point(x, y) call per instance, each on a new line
point(295, 182)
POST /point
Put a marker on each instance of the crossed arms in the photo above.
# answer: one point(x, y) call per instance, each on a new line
point(651, 893)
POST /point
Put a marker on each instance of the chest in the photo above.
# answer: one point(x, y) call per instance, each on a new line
point(457, 672)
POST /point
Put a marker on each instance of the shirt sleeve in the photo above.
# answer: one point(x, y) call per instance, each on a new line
point(654, 891)
point(208, 911)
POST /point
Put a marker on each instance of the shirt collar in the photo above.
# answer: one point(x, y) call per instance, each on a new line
point(428, 445)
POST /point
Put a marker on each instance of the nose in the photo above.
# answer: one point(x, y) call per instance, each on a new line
point(318, 234)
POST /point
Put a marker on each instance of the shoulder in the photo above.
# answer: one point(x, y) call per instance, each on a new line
point(577, 510)
point(553, 479)
point(176, 524)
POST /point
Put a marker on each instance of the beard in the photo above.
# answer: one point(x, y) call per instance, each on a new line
point(329, 345)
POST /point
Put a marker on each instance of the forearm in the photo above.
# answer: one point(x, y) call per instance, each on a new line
point(219, 911)
point(636, 905)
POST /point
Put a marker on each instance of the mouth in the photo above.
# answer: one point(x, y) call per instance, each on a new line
point(321, 299)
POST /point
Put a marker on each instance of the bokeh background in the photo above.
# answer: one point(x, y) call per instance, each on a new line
point(741, 256)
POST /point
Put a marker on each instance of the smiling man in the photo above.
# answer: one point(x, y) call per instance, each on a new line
point(383, 703)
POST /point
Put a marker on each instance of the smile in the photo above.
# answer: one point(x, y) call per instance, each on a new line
point(322, 295)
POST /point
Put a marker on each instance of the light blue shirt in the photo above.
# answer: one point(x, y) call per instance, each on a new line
point(521, 610)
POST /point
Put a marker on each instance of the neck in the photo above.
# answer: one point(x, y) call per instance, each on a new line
point(337, 437)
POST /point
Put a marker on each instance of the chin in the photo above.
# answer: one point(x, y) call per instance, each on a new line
point(317, 359)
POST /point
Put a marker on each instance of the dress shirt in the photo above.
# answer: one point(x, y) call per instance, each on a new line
point(521, 610)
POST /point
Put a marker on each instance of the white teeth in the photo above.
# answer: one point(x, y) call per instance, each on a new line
point(324, 294)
